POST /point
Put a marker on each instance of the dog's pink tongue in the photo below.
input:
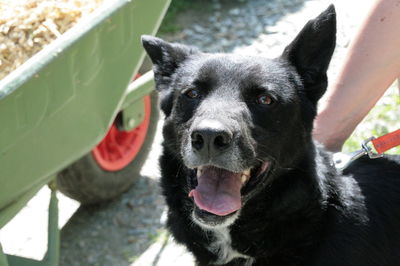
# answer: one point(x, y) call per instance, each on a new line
point(218, 191)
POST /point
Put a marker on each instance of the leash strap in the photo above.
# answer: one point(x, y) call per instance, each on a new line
point(386, 142)
point(381, 144)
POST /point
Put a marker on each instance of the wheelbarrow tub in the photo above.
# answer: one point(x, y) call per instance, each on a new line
point(59, 104)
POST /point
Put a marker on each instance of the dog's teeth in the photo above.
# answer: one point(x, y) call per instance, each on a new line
point(199, 171)
point(246, 172)
point(245, 176)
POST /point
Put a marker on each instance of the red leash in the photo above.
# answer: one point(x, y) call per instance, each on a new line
point(381, 145)
point(386, 142)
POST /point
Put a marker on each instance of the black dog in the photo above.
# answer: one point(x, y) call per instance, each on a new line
point(245, 183)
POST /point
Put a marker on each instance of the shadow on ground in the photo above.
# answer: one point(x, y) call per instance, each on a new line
point(115, 233)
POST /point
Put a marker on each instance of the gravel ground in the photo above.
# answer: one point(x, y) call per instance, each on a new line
point(129, 231)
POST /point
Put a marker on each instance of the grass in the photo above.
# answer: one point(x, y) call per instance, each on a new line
point(169, 24)
point(382, 119)
point(177, 7)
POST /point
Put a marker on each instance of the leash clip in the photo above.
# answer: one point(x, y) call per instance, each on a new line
point(342, 160)
point(368, 150)
point(381, 145)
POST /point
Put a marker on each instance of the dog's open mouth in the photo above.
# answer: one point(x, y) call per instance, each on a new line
point(219, 191)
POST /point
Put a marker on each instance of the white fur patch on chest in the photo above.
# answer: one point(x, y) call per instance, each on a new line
point(221, 246)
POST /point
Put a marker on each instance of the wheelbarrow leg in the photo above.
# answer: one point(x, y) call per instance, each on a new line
point(53, 243)
point(3, 258)
point(53, 247)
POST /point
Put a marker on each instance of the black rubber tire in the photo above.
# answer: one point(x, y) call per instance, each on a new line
point(87, 183)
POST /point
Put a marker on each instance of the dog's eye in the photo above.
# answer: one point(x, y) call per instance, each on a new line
point(264, 99)
point(193, 93)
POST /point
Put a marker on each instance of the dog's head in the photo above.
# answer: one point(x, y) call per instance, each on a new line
point(235, 120)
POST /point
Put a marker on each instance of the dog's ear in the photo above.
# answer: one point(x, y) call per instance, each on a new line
point(166, 58)
point(311, 51)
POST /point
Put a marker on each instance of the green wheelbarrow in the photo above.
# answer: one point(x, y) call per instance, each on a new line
point(70, 116)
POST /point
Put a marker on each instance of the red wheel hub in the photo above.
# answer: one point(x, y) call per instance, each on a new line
point(119, 148)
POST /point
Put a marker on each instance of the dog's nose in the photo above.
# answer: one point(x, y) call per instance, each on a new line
point(211, 137)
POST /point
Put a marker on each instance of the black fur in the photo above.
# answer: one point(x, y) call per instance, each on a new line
point(301, 211)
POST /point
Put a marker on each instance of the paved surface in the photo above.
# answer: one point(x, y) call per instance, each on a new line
point(130, 230)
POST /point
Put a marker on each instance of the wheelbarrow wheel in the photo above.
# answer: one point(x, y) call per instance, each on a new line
point(114, 164)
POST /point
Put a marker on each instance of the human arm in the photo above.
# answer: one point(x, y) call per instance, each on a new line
point(370, 67)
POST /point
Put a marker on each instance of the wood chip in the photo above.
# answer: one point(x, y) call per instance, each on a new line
point(27, 26)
